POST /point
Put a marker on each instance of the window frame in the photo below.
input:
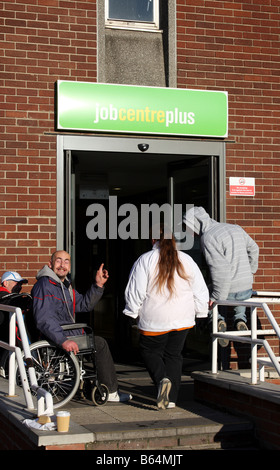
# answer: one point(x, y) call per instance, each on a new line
point(131, 24)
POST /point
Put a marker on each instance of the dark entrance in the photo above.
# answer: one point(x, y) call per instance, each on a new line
point(135, 179)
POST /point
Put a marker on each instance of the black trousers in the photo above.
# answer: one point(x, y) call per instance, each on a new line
point(105, 366)
point(162, 355)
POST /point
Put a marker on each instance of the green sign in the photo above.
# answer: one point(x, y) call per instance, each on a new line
point(137, 109)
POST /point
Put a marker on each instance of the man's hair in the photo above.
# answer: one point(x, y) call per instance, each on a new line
point(53, 256)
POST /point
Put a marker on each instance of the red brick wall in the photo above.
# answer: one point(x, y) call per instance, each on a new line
point(262, 411)
point(234, 46)
point(231, 46)
point(41, 42)
point(12, 438)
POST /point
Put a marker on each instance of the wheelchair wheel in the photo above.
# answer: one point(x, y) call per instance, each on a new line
point(57, 371)
point(99, 394)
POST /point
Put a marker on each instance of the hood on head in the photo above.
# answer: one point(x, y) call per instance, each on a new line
point(47, 271)
point(198, 220)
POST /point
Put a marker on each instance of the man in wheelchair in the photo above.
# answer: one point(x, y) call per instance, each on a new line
point(55, 303)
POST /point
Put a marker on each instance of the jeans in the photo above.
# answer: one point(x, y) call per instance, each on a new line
point(162, 355)
point(239, 310)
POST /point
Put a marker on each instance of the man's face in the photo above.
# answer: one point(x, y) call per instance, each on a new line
point(13, 286)
point(61, 264)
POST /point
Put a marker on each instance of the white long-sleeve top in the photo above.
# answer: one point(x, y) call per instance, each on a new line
point(158, 311)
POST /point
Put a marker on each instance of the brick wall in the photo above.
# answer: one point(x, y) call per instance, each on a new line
point(234, 46)
point(231, 46)
point(11, 438)
point(41, 42)
point(263, 412)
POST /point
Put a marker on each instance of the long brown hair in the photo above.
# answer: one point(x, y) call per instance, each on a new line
point(168, 263)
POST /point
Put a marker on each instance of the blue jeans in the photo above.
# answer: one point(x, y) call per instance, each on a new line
point(239, 310)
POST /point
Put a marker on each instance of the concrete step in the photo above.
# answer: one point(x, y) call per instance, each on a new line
point(186, 434)
point(134, 426)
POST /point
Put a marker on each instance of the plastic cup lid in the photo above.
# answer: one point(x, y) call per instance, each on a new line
point(63, 413)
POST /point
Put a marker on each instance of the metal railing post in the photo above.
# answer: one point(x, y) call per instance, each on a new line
point(271, 319)
point(249, 337)
point(25, 346)
point(12, 354)
point(24, 380)
point(43, 397)
point(254, 346)
point(16, 353)
point(214, 340)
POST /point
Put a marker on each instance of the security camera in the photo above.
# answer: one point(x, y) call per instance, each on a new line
point(143, 147)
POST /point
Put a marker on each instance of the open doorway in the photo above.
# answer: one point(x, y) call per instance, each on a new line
point(95, 169)
point(138, 180)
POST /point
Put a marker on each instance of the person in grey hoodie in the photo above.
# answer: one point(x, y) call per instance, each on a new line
point(56, 303)
point(232, 257)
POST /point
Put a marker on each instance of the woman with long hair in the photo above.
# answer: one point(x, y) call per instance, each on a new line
point(165, 293)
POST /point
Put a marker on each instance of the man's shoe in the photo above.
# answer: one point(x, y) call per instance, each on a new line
point(163, 393)
point(222, 326)
point(241, 326)
point(117, 396)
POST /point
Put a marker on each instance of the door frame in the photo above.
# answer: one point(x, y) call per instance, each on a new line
point(100, 143)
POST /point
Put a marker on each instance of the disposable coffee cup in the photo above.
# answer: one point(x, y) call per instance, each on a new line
point(63, 421)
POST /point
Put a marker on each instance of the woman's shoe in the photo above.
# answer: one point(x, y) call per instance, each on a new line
point(163, 393)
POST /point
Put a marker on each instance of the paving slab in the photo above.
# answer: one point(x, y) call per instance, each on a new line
point(135, 420)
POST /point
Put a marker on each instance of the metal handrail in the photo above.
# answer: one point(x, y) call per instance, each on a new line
point(44, 398)
point(261, 300)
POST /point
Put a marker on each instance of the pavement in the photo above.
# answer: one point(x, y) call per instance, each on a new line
point(137, 424)
point(140, 419)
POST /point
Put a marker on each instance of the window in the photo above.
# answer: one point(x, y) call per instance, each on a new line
point(132, 14)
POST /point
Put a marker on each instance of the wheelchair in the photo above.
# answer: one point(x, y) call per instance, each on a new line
point(64, 374)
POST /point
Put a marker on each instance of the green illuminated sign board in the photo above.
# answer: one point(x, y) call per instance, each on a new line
point(103, 107)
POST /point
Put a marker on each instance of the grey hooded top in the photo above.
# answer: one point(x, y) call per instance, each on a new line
point(230, 253)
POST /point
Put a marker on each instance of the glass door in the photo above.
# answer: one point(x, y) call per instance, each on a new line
point(193, 181)
point(91, 170)
point(70, 212)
